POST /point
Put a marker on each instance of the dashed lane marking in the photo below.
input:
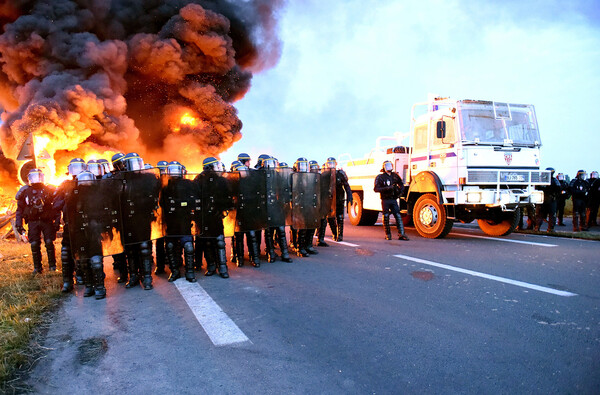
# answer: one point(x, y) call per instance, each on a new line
point(488, 276)
point(218, 326)
point(339, 242)
point(506, 240)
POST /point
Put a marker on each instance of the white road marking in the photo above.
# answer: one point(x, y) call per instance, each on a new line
point(218, 326)
point(339, 242)
point(488, 276)
point(506, 240)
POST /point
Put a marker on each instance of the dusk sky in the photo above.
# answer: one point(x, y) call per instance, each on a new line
point(351, 70)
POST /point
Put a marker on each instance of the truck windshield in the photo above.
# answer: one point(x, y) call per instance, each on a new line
point(498, 124)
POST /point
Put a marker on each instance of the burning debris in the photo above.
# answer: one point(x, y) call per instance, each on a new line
point(89, 78)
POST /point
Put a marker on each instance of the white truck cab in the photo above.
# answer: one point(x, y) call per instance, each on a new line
point(465, 160)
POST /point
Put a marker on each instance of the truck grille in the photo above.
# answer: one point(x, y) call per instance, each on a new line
point(482, 176)
point(543, 177)
point(504, 177)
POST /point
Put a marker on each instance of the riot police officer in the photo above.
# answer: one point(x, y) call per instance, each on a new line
point(342, 194)
point(593, 200)
point(216, 200)
point(160, 242)
point(579, 189)
point(35, 207)
point(389, 186)
point(548, 207)
point(562, 198)
point(75, 167)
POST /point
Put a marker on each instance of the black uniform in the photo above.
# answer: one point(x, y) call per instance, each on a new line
point(561, 201)
point(593, 202)
point(35, 207)
point(342, 193)
point(66, 257)
point(579, 189)
point(548, 208)
point(389, 186)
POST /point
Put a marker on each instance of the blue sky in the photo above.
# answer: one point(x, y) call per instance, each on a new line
point(351, 70)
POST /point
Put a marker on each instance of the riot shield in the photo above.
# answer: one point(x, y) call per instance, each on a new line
point(305, 200)
point(139, 206)
point(279, 197)
point(216, 203)
point(94, 218)
point(180, 204)
point(248, 190)
point(327, 195)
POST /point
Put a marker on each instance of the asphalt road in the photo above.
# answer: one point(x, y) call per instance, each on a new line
point(464, 314)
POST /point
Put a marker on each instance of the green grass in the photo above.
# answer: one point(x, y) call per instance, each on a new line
point(24, 298)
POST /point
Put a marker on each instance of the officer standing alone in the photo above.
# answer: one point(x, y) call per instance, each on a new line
point(389, 186)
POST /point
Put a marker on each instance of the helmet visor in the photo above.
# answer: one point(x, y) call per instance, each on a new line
point(175, 170)
point(387, 166)
point(330, 164)
point(35, 177)
point(134, 164)
point(302, 167)
point(75, 168)
point(269, 163)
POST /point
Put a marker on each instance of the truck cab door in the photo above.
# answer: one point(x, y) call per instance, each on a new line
point(442, 154)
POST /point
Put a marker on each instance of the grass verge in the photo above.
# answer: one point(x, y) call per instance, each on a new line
point(24, 298)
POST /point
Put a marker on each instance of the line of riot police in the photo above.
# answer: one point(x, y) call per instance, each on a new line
point(120, 212)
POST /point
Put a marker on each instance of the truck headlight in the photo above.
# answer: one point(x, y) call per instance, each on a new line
point(536, 197)
point(473, 197)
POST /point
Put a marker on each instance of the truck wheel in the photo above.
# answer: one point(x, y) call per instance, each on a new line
point(505, 226)
point(429, 217)
point(358, 215)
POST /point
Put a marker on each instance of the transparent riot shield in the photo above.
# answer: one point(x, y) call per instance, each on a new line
point(180, 203)
point(279, 197)
point(139, 206)
point(217, 201)
point(305, 200)
point(327, 196)
point(94, 218)
point(248, 190)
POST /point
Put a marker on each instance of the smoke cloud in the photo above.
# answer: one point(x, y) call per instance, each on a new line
point(107, 76)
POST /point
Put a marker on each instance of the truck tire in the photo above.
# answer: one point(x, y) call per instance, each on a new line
point(430, 219)
point(503, 227)
point(359, 216)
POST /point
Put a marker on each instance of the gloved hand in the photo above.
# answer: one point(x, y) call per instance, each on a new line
point(20, 229)
point(397, 190)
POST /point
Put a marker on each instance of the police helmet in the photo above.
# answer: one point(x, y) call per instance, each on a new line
point(594, 174)
point(301, 165)
point(314, 166)
point(235, 165)
point(85, 177)
point(243, 157)
point(35, 176)
point(560, 177)
point(387, 166)
point(581, 174)
point(211, 163)
point(331, 163)
point(132, 162)
point(162, 166)
point(283, 165)
point(105, 165)
point(269, 163)
point(550, 169)
point(175, 169)
point(117, 161)
point(95, 168)
point(261, 158)
point(76, 166)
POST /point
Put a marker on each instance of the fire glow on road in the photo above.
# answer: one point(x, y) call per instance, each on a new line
point(218, 326)
point(488, 276)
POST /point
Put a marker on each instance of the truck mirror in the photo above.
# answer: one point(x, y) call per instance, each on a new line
point(441, 129)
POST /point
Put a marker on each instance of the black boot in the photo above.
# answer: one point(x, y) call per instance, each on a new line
point(270, 245)
point(321, 236)
point(120, 263)
point(161, 258)
point(146, 266)
point(400, 227)
point(254, 248)
point(67, 269)
point(78, 273)
point(36, 256)
point(285, 256)
point(51, 251)
point(233, 250)
point(239, 249)
point(133, 265)
point(294, 239)
point(173, 264)
point(97, 268)
point(210, 255)
point(88, 278)
point(333, 228)
point(386, 226)
point(188, 259)
point(340, 227)
point(222, 257)
point(300, 241)
point(308, 242)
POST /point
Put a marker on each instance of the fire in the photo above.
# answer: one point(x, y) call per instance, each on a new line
point(186, 120)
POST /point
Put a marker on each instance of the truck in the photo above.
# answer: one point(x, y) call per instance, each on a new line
point(463, 160)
